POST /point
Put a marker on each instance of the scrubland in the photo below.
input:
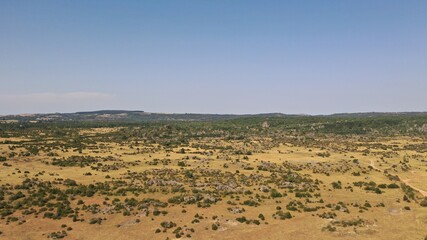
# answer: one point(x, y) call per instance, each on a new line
point(246, 178)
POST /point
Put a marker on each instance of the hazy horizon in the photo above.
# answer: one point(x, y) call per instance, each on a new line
point(208, 113)
point(228, 57)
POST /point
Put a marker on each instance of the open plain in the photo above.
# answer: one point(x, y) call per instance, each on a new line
point(251, 177)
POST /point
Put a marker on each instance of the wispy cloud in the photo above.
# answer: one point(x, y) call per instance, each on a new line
point(53, 102)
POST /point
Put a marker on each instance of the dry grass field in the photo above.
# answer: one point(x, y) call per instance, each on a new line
point(93, 183)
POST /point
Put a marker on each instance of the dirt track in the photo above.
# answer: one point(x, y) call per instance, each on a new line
point(406, 181)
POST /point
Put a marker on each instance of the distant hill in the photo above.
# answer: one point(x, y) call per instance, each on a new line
point(117, 115)
point(109, 112)
point(378, 114)
point(142, 116)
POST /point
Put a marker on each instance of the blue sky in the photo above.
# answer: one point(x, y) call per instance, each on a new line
point(230, 56)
